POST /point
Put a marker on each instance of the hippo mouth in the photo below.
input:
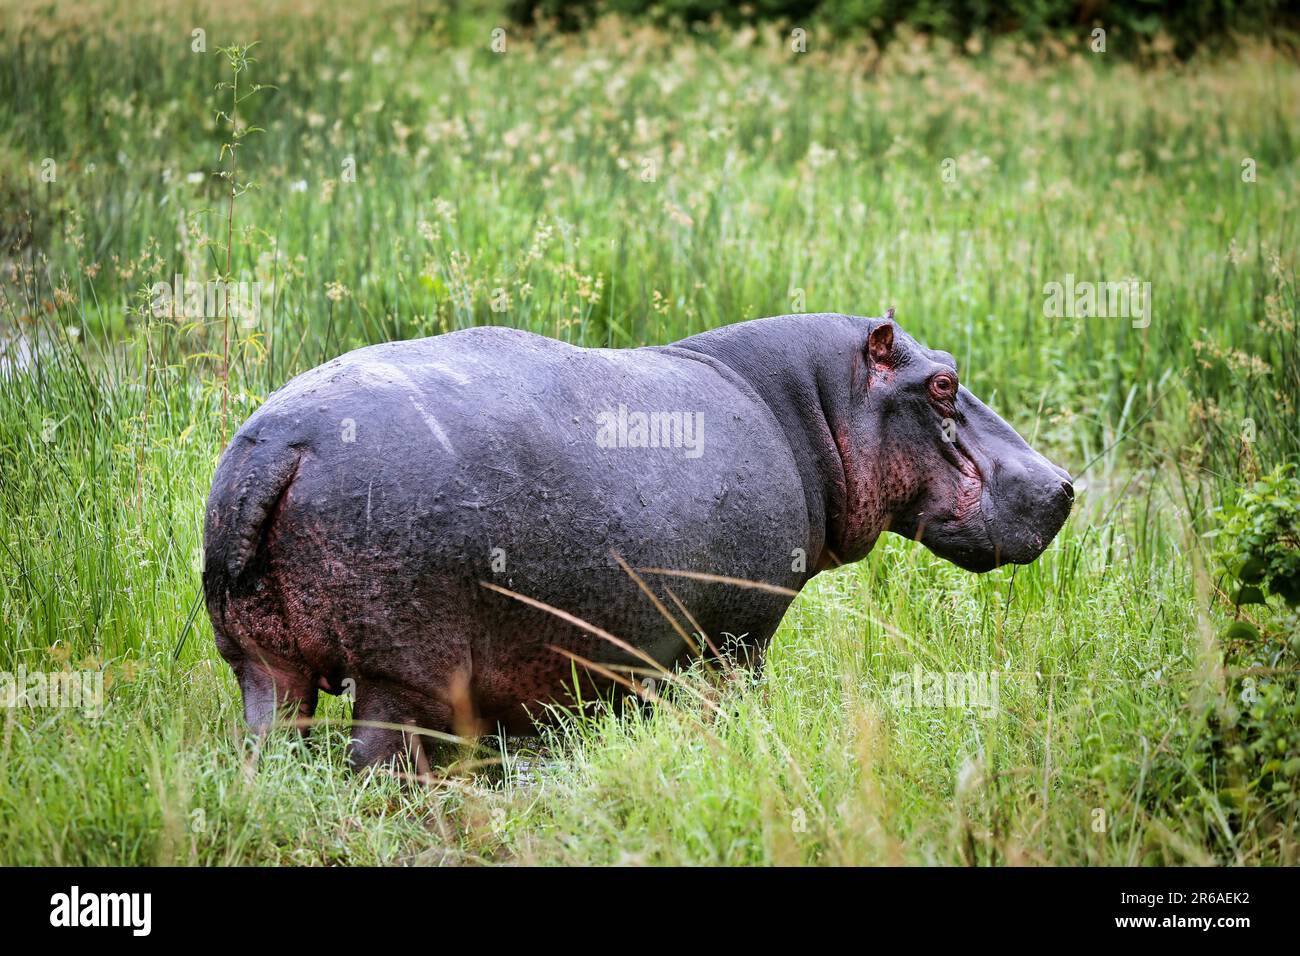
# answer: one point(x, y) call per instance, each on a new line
point(983, 519)
point(984, 532)
point(1027, 530)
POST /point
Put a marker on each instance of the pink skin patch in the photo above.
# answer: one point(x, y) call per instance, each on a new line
point(873, 494)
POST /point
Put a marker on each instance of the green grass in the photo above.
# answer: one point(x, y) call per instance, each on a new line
point(782, 182)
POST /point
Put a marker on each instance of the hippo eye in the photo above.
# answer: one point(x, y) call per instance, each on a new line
point(943, 387)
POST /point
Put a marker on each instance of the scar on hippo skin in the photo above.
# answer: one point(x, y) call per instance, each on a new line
point(330, 565)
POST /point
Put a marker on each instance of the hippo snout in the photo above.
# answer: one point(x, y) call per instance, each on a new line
point(1026, 504)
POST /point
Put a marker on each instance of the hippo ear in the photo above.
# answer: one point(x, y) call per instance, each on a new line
point(880, 343)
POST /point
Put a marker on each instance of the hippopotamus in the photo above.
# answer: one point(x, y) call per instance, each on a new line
point(461, 530)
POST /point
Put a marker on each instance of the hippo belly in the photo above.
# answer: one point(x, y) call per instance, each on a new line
point(357, 516)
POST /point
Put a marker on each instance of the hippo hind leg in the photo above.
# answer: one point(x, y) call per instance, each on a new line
point(272, 694)
point(381, 710)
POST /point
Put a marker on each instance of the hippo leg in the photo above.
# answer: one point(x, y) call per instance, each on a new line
point(385, 703)
point(271, 694)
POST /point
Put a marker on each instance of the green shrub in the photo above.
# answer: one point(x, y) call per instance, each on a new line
point(1250, 744)
point(1259, 539)
point(1190, 25)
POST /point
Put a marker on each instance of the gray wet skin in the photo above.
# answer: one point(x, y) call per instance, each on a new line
point(357, 516)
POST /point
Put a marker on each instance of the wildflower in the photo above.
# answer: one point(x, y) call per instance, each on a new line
point(819, 156)
point(678, 216)
point(444, 210)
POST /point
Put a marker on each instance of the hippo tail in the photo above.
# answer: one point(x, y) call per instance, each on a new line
point(247, 489)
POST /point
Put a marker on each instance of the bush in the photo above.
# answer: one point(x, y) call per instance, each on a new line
point(1259, 540)
point(1251, 741)
point(1190, 25)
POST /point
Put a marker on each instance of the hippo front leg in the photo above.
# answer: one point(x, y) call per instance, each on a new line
point(273, 694)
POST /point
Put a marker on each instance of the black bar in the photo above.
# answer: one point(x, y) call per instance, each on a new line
point(386, 908)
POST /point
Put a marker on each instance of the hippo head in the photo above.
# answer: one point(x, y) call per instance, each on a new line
point(948, 471)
